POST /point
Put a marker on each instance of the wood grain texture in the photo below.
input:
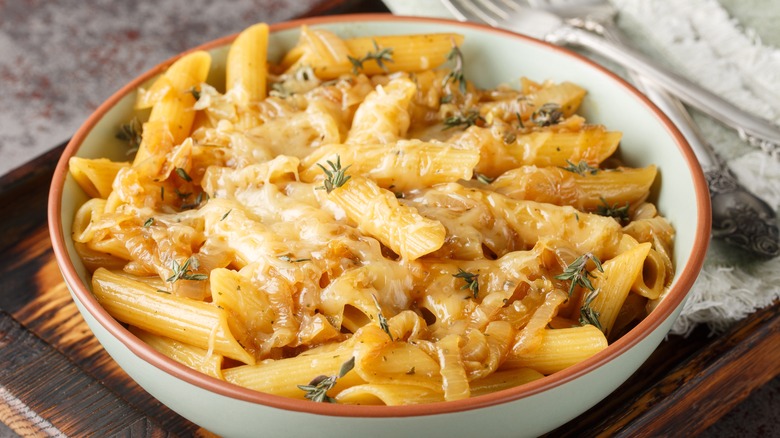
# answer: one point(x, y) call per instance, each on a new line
point(45, 393)
point(56, 378)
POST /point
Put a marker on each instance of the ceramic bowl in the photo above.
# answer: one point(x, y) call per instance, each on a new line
point(494, 57)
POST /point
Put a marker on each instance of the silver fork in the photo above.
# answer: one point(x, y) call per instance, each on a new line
point(739, 217)
point(556, 29)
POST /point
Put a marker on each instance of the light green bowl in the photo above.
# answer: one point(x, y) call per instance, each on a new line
point(494, 57)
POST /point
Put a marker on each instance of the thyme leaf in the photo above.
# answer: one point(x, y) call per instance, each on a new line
point(471, 281)
point(131, 133)
point(484, 179)
point(456, 74)
point(471, 117)
point(149, 222)
point(183, 174)
point(382, 320)
point(335, 177)
point(379, 55)
point(317, 389)
point(619, 213)
point(224, 216)
point(198, 200)
point(288, 258)
point(184, 272)
point(195, 93)
point(587, 314)
point(548, 114)
point(577, 272)
point(582, 168)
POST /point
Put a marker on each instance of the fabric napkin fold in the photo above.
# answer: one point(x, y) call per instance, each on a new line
point(701, 40)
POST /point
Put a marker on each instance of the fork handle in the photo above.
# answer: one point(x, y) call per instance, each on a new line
point(764, 133)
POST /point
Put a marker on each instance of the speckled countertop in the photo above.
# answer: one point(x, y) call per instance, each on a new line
point(60, 59)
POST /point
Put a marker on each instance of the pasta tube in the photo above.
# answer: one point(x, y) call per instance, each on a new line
point(189, 321)
point(378, 213)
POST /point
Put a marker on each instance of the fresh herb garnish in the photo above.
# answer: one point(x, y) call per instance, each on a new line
point(183, 174)
point(456, 74)
point(224, 216)
point(335, 177)
point(471, 117)
point(181, 195)
point(582, 168)
point(195, 93)
point(382, 320)
point(184, 272)
point(191, 205)
point(288, 258)
point(577, 272)
point(548, 114)
point(317, 389)
point(520, 123)
point(615, 211)
point(446, 98)
point(587, 314)
point(470, 279)
point(149, 222)
point(131, 133)
point(484, 179)
point(380, 56)
point(510, 137)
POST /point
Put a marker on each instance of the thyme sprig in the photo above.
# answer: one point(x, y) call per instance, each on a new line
point(587, 314)
point(379, 55)
point(484, 179)
point(615, 211)
point(195, 93)
point(184, 271)
point(577, 272)
point(289, 258)
point(548, 114)
point(335, 177)
point(471, 117)
point(194, 204)
point(317, 389)
point(582, 168)
point(381, 317)
point(471, 281)
point(131, 133)
point(183, 174)
point(456, 74)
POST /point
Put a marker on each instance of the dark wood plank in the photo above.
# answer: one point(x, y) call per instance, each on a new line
point(687, 384)
point(709, 384)
point(42, 391)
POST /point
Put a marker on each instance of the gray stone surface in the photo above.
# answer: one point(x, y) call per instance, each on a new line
point(60, 59)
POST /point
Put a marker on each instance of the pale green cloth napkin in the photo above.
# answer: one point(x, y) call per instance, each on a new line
point(730, 47)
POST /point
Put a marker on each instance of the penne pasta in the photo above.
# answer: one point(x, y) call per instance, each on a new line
point(378, 213)
point(401, 166)
point(355, 221)
point(246, 70)
point(560, 349)
point(95, 176)
point(615, 282)
point(191, 322)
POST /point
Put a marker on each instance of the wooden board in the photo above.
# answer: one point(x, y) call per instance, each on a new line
point(56, 379)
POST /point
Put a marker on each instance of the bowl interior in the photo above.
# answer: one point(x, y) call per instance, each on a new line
point(492, 57)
